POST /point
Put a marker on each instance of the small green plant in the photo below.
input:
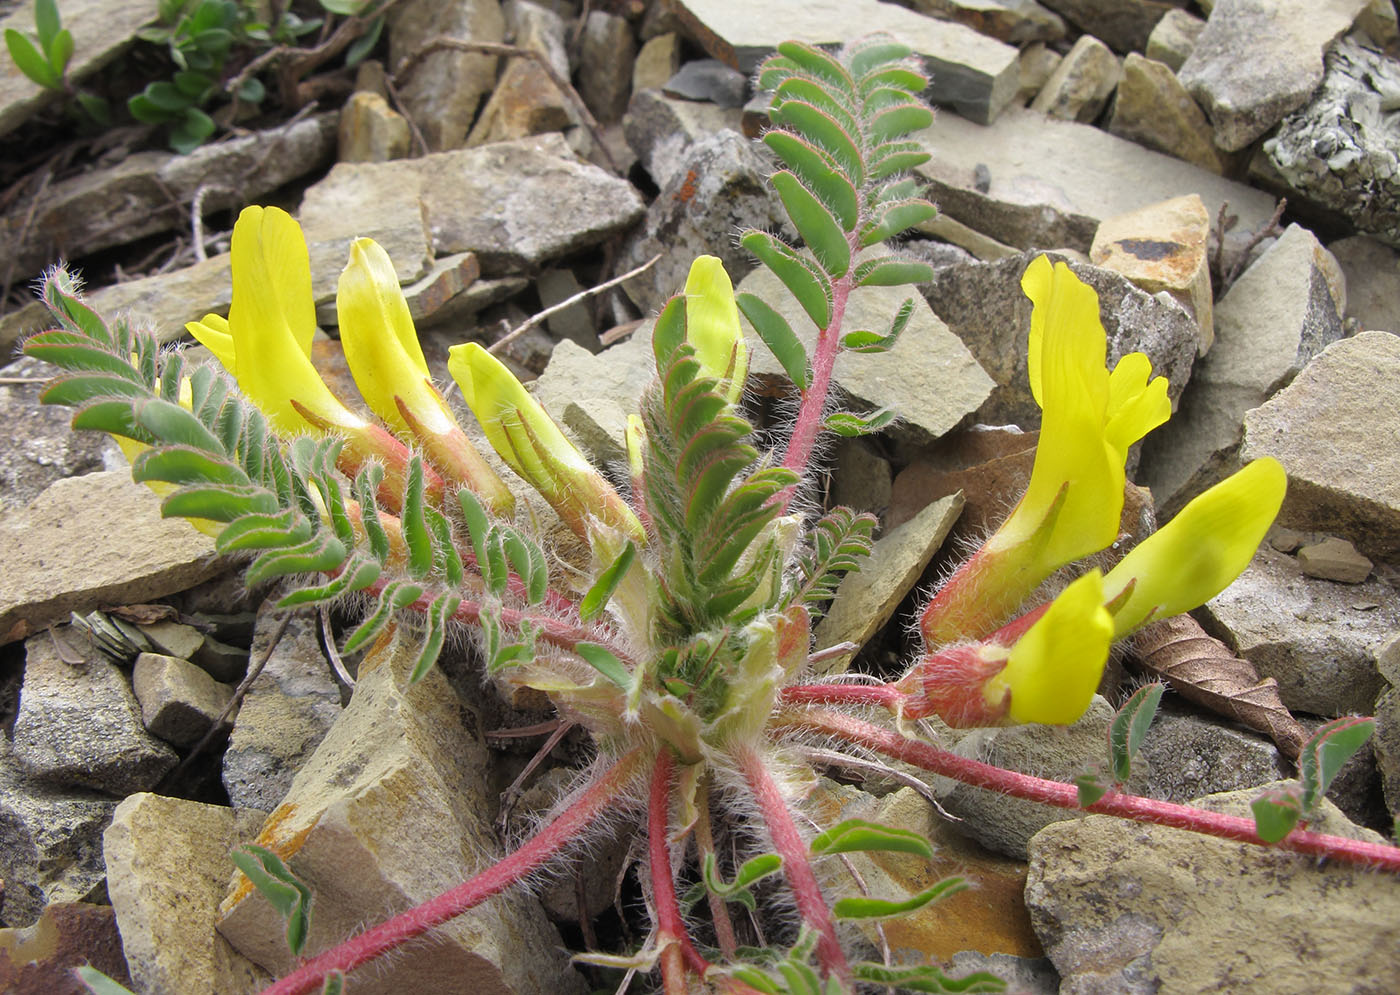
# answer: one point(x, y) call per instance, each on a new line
point(44, 58)
point(673, 619)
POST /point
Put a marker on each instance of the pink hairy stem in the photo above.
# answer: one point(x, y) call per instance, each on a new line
point(842, 694)
point(789, 845)
point(1061, 795)
point(677, 952)
point(568, 826)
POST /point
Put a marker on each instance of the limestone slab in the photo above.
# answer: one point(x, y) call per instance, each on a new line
point(1045, 183)
point(94, 540)
point(1154, 110)
point(975, 75)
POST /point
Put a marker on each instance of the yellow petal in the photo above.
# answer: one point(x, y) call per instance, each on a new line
point(1198, 553)
point(381, 345)
point(1066, 312)
point(1136, 403)
point(1056, 666)
point(213, 333)
point(272, 320)
point(712, 325)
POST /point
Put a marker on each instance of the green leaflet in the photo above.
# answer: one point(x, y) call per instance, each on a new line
point(815, 223)
point(601, 659)
point(892, 271)
point(838, 107)
point(854, 835)
point(359, 572)
point(818, 126)
point(870, 55)
point(415, 528)
point(839, 542)
point(174, 425)
point(778, 335)
point(287, 527)
point(819, 63)
point(1129, 727)
point(806, 282)
point(185, 465)
point(288, 894)
point(438, 615)
point(322, 552)
point(865, 341)
point(819, 172)
point(1323, 755)
point(849, 425)
point(873, 908)
point(217, 503)
point(895, 217)
point(598, 595)
point(393, 596)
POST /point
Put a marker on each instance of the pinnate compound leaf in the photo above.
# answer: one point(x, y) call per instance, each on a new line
point(601, 659)
point(288, 894)
point(393, 596)
point(815, 223)
point(438, 614)
point(1205, 672)
point(874, 908)
point(807, 283)
point(840, 541)
point(849, 425)
point(854, 835)
point(601, 591)
point(925, 978)
point(1326, 752)
point(778, 335)
point(1275, 815)
point(1129, 727)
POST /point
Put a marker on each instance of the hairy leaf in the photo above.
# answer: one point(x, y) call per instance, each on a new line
point(895, 217)
point(1324, 754)
point(806, 282)
point(778, 335)
point(438, 615)
point(820, 127)
point(1129, 727)
point(926, 978)
point(288, 894)
point(857, 835)
point(839, 542)
point(598, 595)
point(815, 223)
point(818, 62)
point(874, 908)
point(601, 659)
point(819, 172)
point(393, 596)
point(1275, 814)
point(891, 271)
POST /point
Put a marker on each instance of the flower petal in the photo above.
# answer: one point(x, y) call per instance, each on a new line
point(1056, 666)
point(1136, 403)
point(213, 333)
point(1198, 553)
point(381, 344)
point(1066, 313)
point(712, 325)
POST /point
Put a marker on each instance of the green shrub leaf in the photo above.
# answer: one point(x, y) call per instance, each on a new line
point(1129, 727)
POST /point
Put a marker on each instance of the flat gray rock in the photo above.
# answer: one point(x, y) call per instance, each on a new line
point(150, 192)
point(1015, 22)
point(1256, 60)
point(985, 307)
point(1122, 907)
point(607, 53)
point(443, 92)
point(1271, 322)
point(1372, 272)
point(1318, 638)
point(720, 187)
point(40, 445)
point(286, 713)
point(101, 29)
point(1334, 430)
point(1339, 151)
point(929, 378)
point(662, 130)
point(1034, 182)
point(50, 842)
point(1172, 40)
point(515, 204)
point(179, 701)
point(89, 541)
point(79, 724)
point(975, 75)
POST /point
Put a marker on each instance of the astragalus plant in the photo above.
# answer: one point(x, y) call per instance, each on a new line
point(673, 620)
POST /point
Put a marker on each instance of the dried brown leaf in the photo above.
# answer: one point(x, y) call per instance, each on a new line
point(144, 614)
point(1205, 671)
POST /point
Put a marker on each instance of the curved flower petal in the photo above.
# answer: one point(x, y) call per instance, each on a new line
point(1137, 403)
point(524, 435)
point(1056, 666)
point(1198, 553)
point(213, 333)
point(381, 345)
point(712, 325)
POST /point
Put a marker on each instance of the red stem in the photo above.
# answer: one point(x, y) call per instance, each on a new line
point(842, 694)
point(677, 952)
point(568, 826)
point(809, 415)
point(788, 844)
point(1062, 795)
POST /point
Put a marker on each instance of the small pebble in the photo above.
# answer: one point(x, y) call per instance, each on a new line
point(1334, 559)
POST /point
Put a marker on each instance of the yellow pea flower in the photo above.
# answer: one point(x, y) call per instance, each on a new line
point(1071, 507)
point(1045, 672)
point(1054, 669)
point(712, 325)
point(382, 350)
point(524, 435)
point(1199, 552)
point(266, 340)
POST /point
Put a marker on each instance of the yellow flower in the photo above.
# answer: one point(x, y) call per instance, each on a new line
point(266, 340)
point(1054, 669)
point(524, 435)
point(1196, 555)
point(382, 350)
point(712, 326)
point(1090, 418)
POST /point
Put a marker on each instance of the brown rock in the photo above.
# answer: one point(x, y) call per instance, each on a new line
point(1154, 109)
point(1081, 84)
point(445, 88)
point(371, 130)
point(525, 102)
point(1334, 559)
point(1163, 247)
point(39, 959)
